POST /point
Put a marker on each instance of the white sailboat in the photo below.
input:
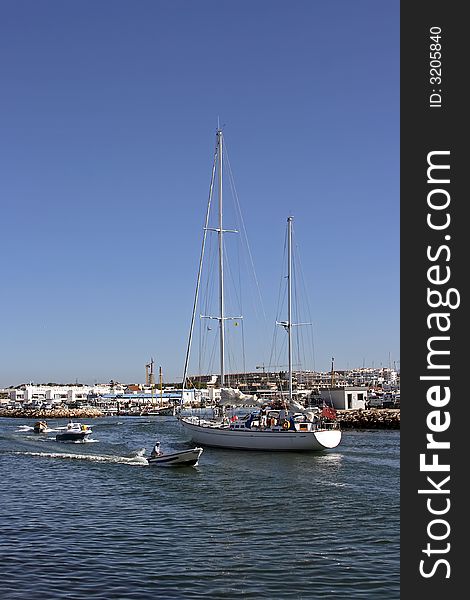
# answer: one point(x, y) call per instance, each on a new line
point(290, 428)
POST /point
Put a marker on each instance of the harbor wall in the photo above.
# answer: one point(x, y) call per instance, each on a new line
point(57, 413)
point(374, 418)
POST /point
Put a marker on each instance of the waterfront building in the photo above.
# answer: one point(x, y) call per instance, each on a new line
point(345, 398)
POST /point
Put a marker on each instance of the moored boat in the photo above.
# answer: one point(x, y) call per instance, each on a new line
point(295, 428)
point(295, 433)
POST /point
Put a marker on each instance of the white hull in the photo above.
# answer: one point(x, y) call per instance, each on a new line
point(185, 458)
point(250, 439)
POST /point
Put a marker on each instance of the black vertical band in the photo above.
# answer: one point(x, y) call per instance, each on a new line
point(433, 330)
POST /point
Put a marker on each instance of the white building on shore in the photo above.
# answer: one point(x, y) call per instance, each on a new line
point(345, 398)
point(37, 395)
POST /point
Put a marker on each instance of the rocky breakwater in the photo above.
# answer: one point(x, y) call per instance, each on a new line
point(373, 418)
point(57, 413)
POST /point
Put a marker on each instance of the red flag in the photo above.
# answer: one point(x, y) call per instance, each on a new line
point(328, 412)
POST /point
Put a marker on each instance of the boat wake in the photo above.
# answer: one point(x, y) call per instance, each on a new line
point(138, 453)
point(137, 459)
point(84, 441)
point(25, 428)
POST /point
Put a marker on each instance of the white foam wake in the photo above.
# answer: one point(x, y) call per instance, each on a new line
point(137, 460)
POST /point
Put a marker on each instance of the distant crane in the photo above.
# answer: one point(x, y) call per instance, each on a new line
point(149, 376)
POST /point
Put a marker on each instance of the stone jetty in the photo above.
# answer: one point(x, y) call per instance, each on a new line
point(373, 418)
point(58, 413)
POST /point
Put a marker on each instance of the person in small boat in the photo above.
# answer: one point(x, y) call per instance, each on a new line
point(156, 450)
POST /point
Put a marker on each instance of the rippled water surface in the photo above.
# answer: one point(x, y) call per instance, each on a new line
point(93, 520)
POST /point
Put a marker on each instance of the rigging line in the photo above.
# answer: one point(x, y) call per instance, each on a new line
point(201, 345)
point(196, 295)
point(309, 312)
point(243, 228)
point(241, 313)
point(298, 333)
point(206, 334)
point(208, 300)
point(205, 339)
point(304, 358)
point(272, 360)
point(302, 291)
point(281, 355)
point(210, 363)
point(208, 358)
point(280, 303)
point(210, 280)
point(243, 351)
point(237, 302)
point(232, 365)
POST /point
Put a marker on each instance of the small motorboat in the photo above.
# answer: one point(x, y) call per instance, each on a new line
point(40, 427)
point(74, 432)
point(184, 458)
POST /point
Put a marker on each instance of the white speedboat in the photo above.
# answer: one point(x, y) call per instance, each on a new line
point(184, 458)
point(74, 432)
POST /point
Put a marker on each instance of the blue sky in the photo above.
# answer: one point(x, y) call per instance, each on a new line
point(107, 131)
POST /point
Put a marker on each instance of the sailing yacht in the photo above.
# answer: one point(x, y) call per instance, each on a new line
point(286, 426)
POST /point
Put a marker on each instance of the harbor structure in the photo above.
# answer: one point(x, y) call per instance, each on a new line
point(345, 397)
point(352, 389)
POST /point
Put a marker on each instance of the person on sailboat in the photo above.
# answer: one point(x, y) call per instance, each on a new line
point(156, 450)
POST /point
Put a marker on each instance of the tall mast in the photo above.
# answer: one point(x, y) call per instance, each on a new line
point(216, 169)
point(221, 267)
point(289, 299)
point(201, 258)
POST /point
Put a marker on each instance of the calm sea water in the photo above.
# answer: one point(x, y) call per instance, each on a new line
point(92, 520)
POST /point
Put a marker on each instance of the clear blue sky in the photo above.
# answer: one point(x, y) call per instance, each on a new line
point(107, 130)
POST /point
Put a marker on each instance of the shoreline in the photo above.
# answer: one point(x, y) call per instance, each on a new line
point(372, 418)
